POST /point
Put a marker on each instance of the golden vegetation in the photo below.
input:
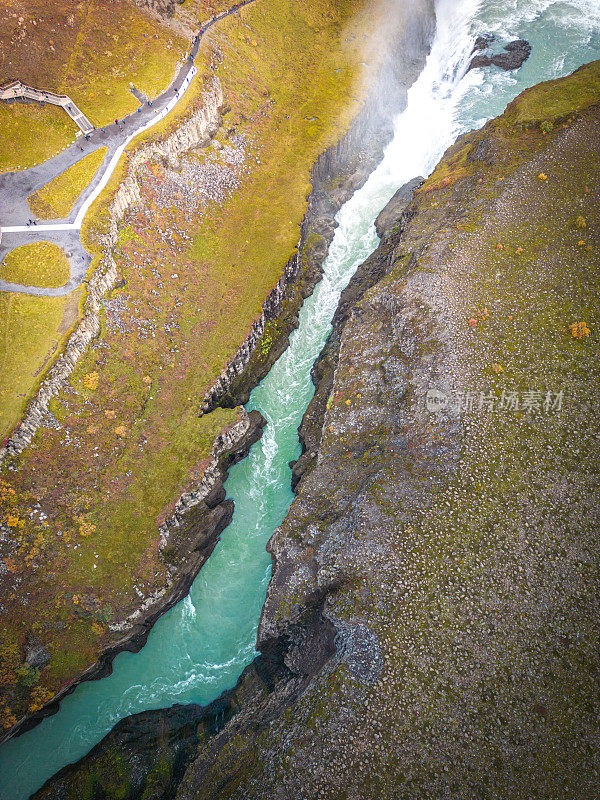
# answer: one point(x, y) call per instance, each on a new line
point(56, 199)
point(39, 264)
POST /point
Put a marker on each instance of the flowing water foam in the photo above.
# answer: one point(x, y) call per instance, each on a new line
point(199, 648)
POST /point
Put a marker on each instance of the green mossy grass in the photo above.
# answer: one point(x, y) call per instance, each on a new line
point(40, 264)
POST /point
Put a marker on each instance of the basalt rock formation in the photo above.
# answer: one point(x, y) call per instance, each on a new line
point(431, 625)
point(337, 174)
point(452, 545)
point(194, 530)
point(339, 171)
point(164, 9)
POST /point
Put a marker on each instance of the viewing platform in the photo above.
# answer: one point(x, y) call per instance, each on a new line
point(15, 90)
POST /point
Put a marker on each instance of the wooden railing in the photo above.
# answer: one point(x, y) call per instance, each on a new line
point(17, 89)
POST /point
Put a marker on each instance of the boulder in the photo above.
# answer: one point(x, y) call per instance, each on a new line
point(36, 656)
point(515, 54)
point(391, 215)
point(483, 42)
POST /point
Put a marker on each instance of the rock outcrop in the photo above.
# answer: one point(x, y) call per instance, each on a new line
point(192, 531)
point(164, 9)
point(515, 54)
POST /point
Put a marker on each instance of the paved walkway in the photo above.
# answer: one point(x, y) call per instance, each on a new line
point(15, 187)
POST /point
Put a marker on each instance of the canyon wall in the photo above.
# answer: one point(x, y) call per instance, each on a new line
point(445, 533)
point(337, 174)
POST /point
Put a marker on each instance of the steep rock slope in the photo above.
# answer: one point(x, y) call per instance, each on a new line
point(85, 567)
point(140, 742)
point(448, 527)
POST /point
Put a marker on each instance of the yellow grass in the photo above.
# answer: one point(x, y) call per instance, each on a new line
point(32, 329)
point(56, 199)
point(20, 146)
point(39, 264)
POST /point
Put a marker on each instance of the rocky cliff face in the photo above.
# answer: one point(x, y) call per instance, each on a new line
point(431, 627)
point(283, 671)
point(447, 527)
point(337, 174)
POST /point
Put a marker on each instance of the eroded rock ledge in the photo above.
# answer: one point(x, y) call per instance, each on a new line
point(337, 174)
